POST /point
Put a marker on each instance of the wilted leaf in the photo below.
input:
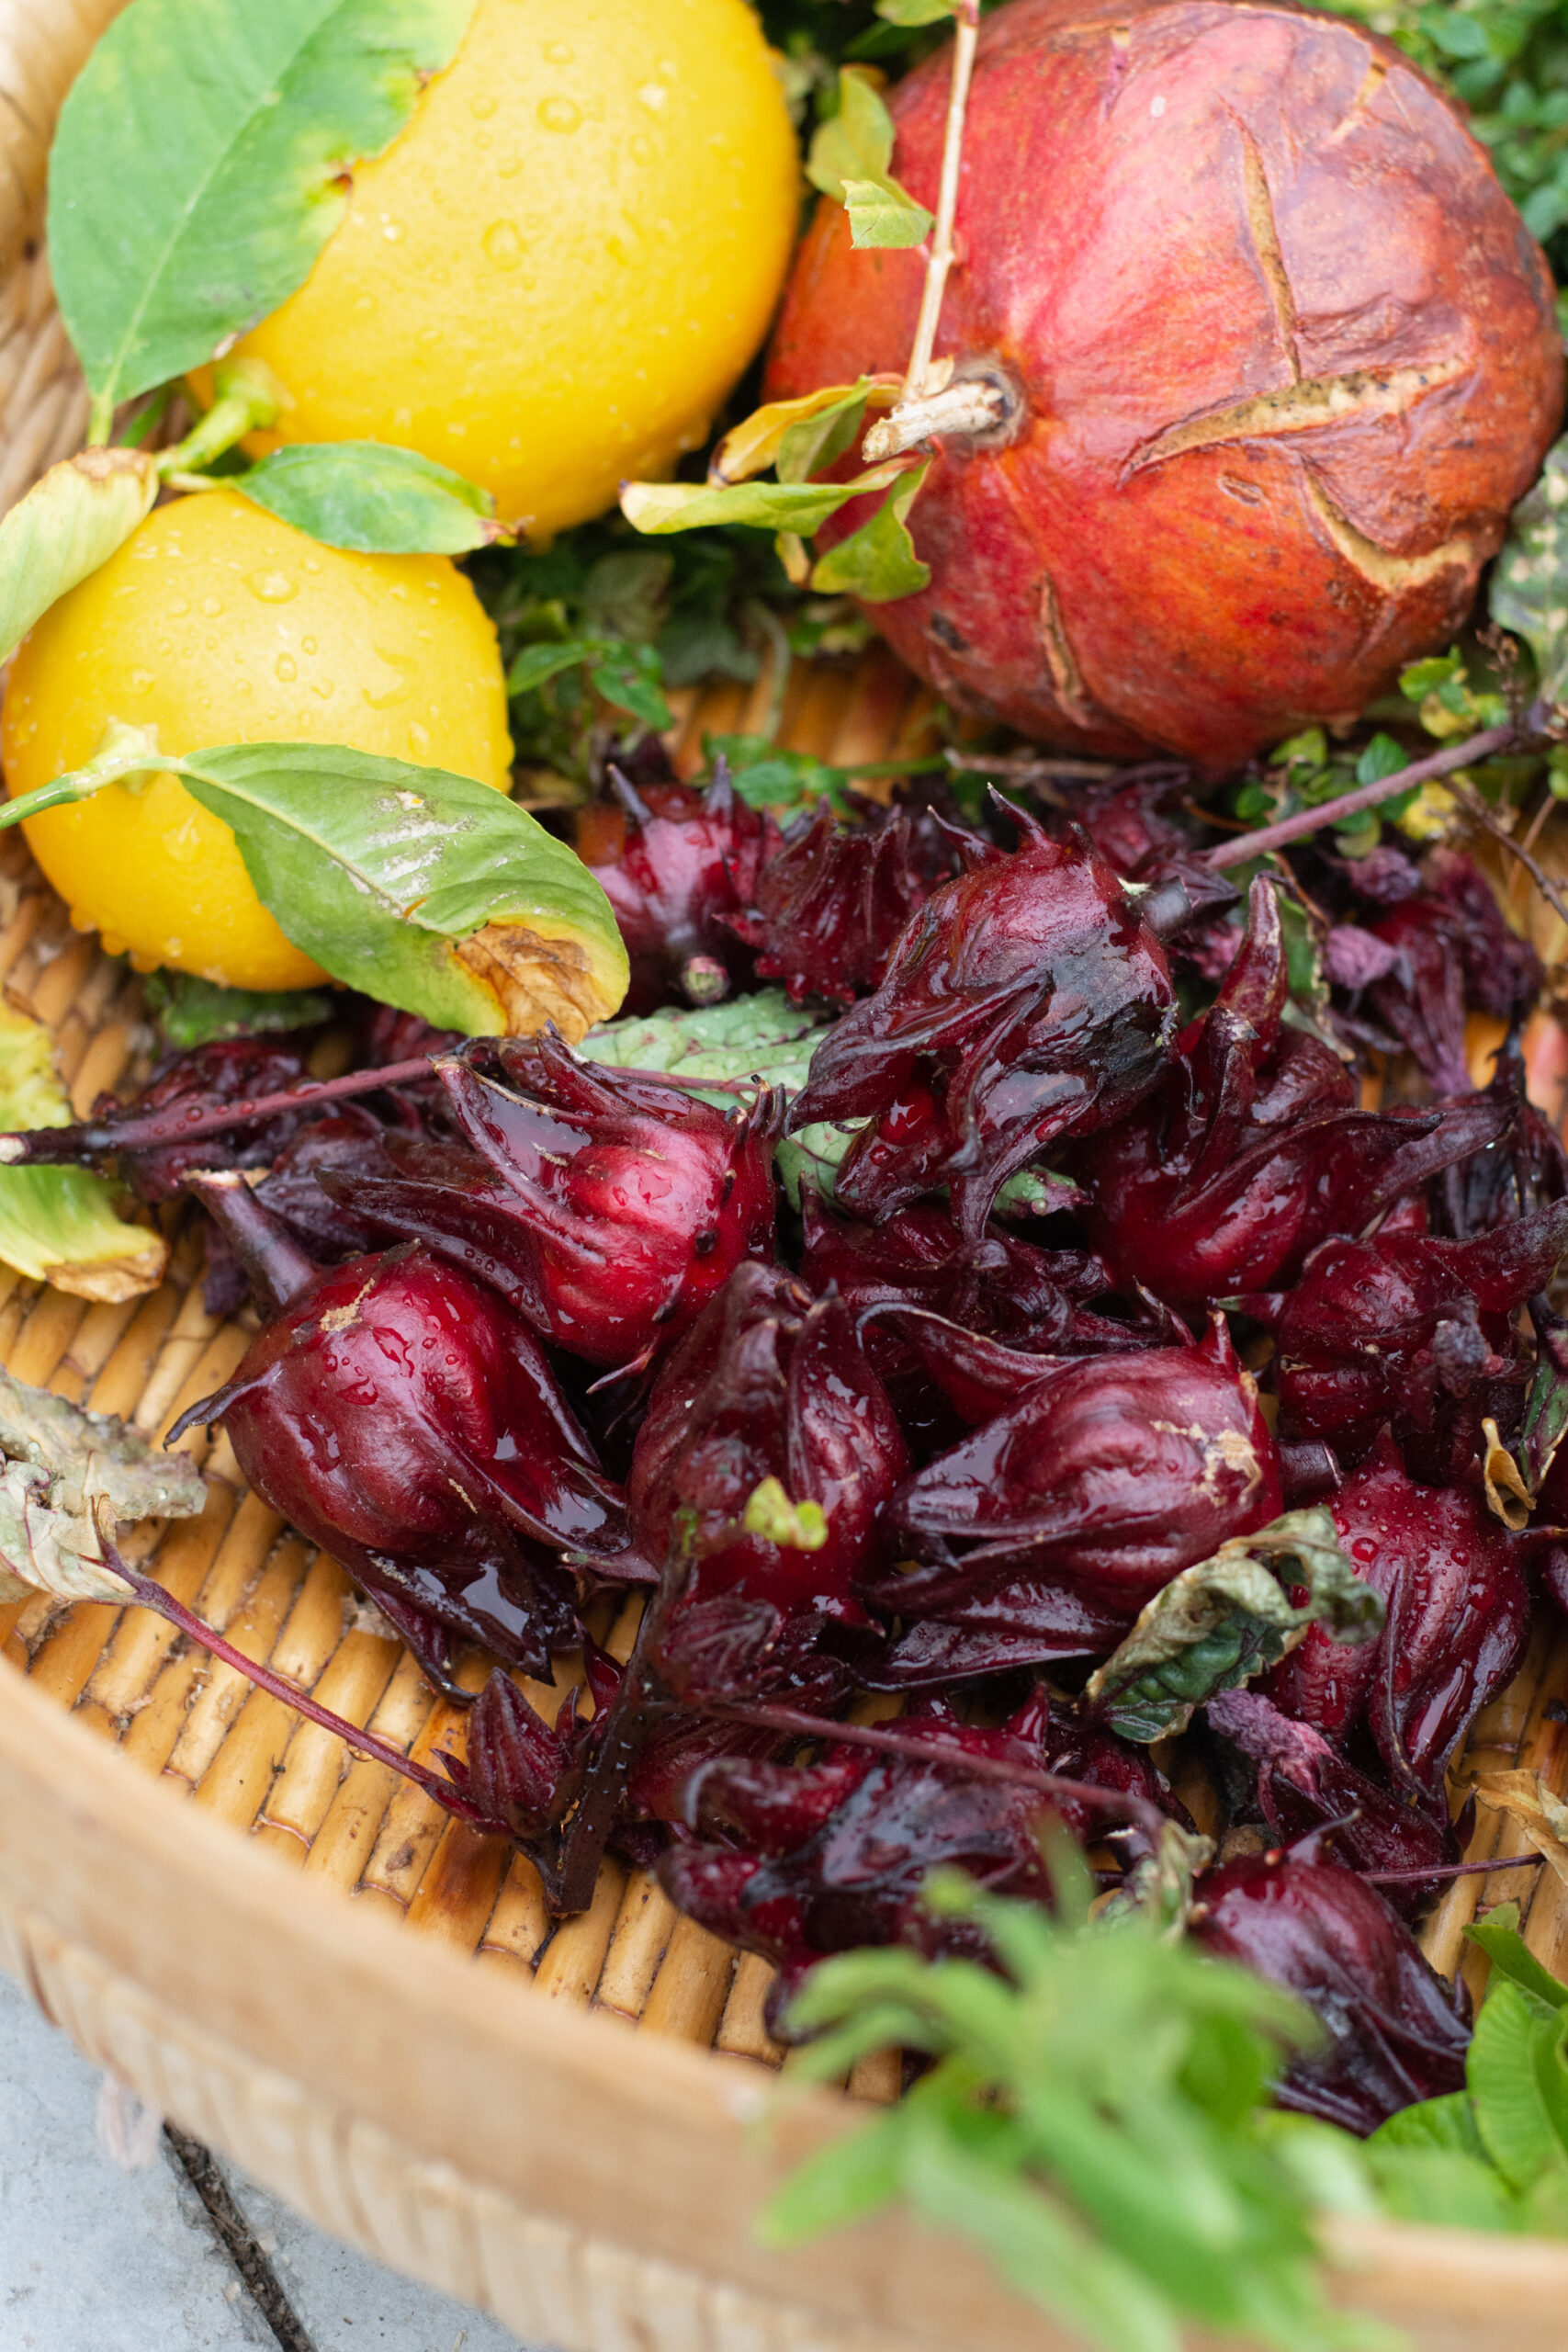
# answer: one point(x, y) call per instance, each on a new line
point(69, 522)
point(800, 506)
point(1530, 579)
point(368, 496)
point(426, 890)
point(877, 562)
point(760, 439)
point(63, 1469)
point(882, 215)
point(1542, 1816)
point(1228, 1618)
point(58, 1225)
point(200, 165)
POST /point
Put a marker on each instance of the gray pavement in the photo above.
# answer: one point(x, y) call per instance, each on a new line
point(96, 2257)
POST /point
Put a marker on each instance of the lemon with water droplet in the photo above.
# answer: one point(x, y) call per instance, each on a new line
point(555, 274)
point(388, 653)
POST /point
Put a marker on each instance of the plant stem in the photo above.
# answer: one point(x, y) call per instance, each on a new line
point(1367, 795)
point(55, 1146)
point(1139, 1812)
point(1475, 809)
point(939, 260)
point(152, 1595)
point(1447, 1870)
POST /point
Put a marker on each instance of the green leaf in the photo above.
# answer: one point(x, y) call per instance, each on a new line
point(914, 12)
point(854, 143)
point(878, 561)
point(1546, 1409)
point(426, 889)
point(1229, 1617)
point(1510, 2112)
point(1382, 757)
point(366, 496)
point(630, 677)
point(69, 522)
point(882, 215)
point(197, 1013)
point(1530, 579)
point(1511, 1956)
point(538, 663)
point(58, 1225)
point(198, 166)
point(1450, 2190)
point(843, 2182)
point(762, 1035)
point(811, 444)
point(60, 1470)
point(799, 506)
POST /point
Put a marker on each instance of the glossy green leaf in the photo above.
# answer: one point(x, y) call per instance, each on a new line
point(200, 166)
point(877, 562)
point(371, 497)
point(1228, 1618)
point(60, 1225)
point(1510, 2113)
point(425, 889)
point(1512, 1958)
point(881, 215)
point(854, 143)
point(801, 507)
point(1530, 579)
point(69, 522)
point(191, 1012)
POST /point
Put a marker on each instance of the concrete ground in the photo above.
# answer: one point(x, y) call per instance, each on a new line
point(96, 2257)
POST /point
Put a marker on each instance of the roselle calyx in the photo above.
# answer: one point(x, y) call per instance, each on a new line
point(1296, 457)
point(1395, 2033)
point(829, 903)
point(769, 1385)
point(1026, 1001)
point(1457, 1606)
point(676, 866)
point(407, 1421)
point(605, 1208)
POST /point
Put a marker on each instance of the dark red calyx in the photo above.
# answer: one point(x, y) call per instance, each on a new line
point(1457, 1605)
point(520, 1769)
point(830, 899)
point(677, 866)
point(1250, 1150)
point(1389, 1329)
point(768, 1384)
point(605, 1208)
point(1026, 1002)
point(1109, 1475)
point(1452, 954)
point(407, 1421)
point(1302, 1782)
point(1395, 2032)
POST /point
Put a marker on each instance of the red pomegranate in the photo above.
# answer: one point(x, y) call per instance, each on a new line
point(1278, 356)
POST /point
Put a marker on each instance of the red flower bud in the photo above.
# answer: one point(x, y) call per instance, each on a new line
point(1108, 1474)
point(1395, 2031)
point(408, 1422)
point(675, 865)
point(1458, 1609)
point(605, 1208)
point(1026, 1001)
point(767, 1384)
point(830, 903)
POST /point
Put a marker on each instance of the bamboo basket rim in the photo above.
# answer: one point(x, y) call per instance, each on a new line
point(167, 1943)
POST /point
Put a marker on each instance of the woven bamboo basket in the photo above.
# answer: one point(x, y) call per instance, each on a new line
point(299, 1958)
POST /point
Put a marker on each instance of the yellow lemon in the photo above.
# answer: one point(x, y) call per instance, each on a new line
point(217, 624)
point(555, 274)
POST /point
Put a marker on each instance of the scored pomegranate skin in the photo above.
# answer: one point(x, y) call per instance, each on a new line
point(1283, 357)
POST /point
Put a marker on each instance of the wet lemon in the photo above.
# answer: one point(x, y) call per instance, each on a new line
point(217, 624)
point(552, 277)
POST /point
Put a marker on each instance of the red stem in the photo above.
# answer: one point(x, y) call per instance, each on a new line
point(1446, 1870)
point(178, 1126)
point(1242, 846)
point(156, 1597)
point(1138, 1810)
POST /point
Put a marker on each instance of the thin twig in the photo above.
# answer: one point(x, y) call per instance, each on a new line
point(939, 260)
point(1446, 1870)
point(1139, 1812)
point(179, 1123)
point(1474, 808)
point(1491, 740)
